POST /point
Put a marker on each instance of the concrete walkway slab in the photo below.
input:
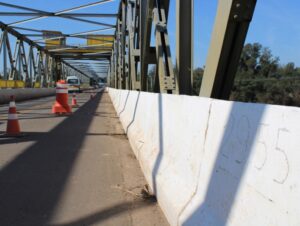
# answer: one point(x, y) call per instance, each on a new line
point(76, 170)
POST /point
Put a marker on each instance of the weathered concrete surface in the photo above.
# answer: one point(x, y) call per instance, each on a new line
point(25, 94)
point(76, 170)
point(213, 162)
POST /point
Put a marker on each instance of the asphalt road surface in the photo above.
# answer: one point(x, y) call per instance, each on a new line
point(72, 170)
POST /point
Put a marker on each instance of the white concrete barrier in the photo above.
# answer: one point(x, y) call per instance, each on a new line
point(24, 94)
point(213, 162)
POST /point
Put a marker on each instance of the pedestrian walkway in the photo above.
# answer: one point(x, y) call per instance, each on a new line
point(75, 170)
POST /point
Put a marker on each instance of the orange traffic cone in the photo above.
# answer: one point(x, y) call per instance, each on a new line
point(74, 101)
point(13, 127)
point(61, 105)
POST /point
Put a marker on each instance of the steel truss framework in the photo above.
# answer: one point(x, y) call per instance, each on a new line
point(35, 66)
point(34, 62)
point(132, 53)
point(128, 58)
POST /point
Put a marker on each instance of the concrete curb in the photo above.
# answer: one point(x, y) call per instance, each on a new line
point(25, 94)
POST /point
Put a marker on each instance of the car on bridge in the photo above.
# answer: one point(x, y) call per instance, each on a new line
point(74, 84)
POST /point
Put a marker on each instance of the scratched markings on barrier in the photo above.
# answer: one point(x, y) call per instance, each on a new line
point(261, 156)
point(238, 141)
point(282, 177)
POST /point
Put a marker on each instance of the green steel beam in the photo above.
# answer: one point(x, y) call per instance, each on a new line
point(230, 30)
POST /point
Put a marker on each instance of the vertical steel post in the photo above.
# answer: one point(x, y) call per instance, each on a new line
point(14, 72)
point(133, 52)
point(57, 70)
point(146, 9)
point(23, 61)
point(165, 80)
point(116, 60)
point(230, 30)
point(5, 75)
point(47, 74)
point(20, 74)
point(110, 68)
point(30, 64)
point(184, 45)
point(119, 56)
point(123, 43)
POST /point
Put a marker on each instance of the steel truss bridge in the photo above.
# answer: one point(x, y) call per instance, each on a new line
point(108, 160)
point(126, 55)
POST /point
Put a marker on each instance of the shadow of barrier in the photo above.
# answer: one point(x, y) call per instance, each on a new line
point(31, 184)
point(107, 213)
point(213, 162)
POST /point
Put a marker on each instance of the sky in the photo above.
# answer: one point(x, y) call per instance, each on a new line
point(275, 24)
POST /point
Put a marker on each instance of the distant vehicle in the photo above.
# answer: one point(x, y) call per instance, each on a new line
point(93, 83)
point(74, 84)
point(101, 84)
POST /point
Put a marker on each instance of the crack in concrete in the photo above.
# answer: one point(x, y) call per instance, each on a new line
point(197, 185)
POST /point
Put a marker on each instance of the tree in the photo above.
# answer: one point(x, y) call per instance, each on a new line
point(249, 59)
point(289, 69)
point(268, 64)
point(260, 78)
point(197, 80)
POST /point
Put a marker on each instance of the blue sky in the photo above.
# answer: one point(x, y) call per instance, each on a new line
point(275, 24)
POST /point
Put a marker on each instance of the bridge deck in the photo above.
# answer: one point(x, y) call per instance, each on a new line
point(76, 170)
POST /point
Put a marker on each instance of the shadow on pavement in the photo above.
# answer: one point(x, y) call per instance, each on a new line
point(107, 213)
point(26, 136)
point(31, 185)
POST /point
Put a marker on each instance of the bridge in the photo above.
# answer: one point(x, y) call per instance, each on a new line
point(143, 150)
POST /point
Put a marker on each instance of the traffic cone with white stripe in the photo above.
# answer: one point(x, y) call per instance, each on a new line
point(13, 127)
point(74, 101)
point(61, 105)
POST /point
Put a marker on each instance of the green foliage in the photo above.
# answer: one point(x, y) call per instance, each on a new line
point(197, 80)
point(260, 78)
